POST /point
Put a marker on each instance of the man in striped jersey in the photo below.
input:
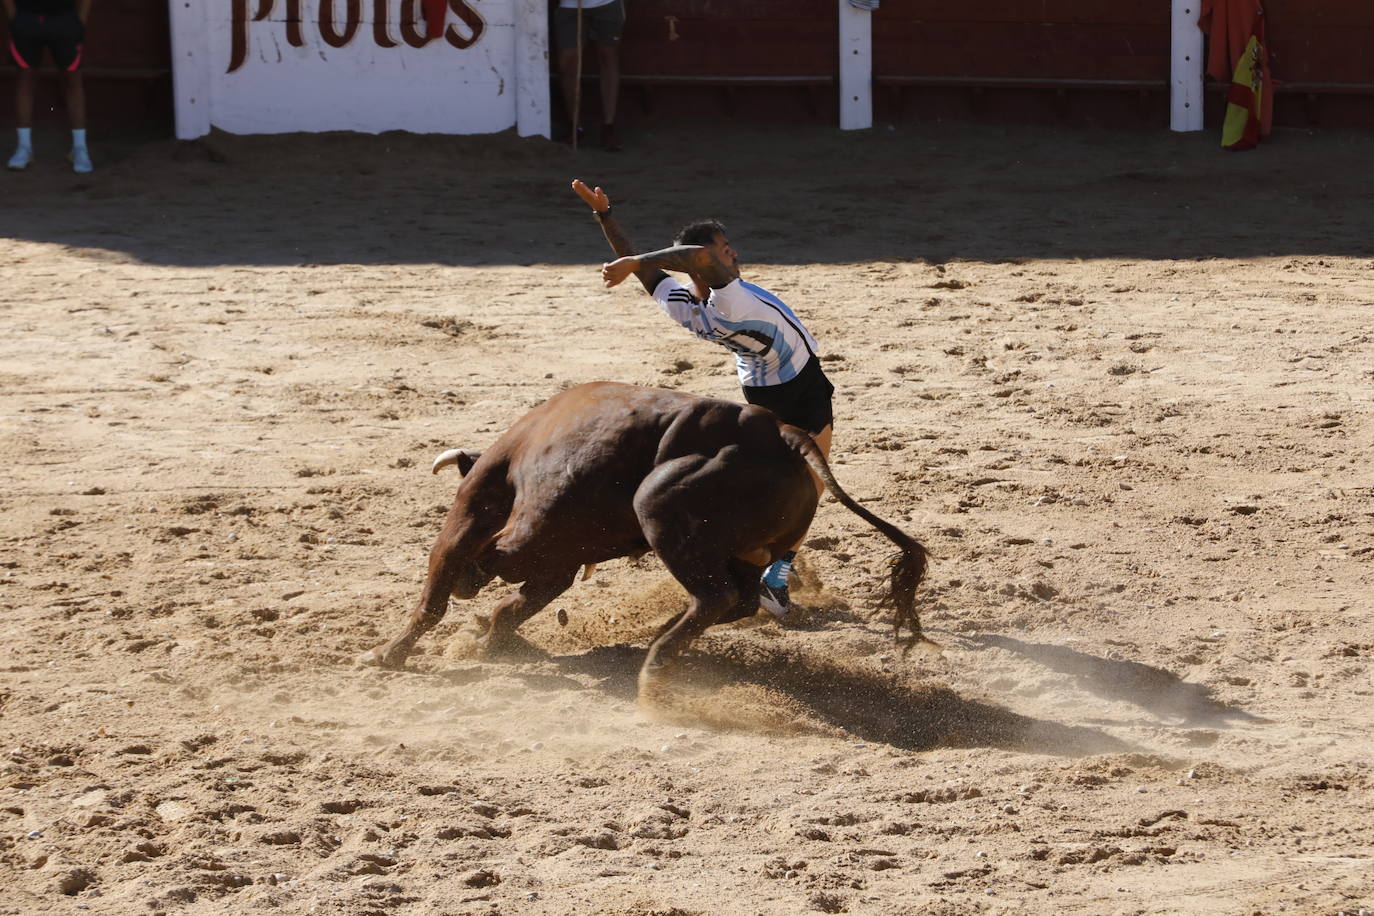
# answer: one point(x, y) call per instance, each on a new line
point(774, 354)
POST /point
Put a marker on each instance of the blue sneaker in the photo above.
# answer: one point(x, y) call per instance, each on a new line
point(773, 596)
point(774, 599)
point(81, 160)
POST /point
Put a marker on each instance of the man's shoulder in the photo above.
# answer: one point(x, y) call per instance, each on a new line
point(755, 289)
point(671, 287)
point(739, 289)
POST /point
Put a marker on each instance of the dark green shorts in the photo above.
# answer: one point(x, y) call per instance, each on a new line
point(600, 24)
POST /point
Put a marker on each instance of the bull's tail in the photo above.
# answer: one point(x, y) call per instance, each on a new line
point(908, 564)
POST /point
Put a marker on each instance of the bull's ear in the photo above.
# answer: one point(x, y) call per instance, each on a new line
point(466, 460)
point(461, 457)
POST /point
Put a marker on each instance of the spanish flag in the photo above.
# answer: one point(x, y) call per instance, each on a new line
point(1236, 32)
point(1245, 100)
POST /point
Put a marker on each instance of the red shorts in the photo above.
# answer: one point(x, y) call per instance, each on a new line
point(61, 34)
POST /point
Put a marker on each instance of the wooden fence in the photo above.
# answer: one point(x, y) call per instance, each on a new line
point(1077, 60)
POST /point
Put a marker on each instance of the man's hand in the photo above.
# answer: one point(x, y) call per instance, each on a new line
point(616, 271)
point(597, 199)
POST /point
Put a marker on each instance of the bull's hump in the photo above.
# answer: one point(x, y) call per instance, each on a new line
point(621, 392)
point(613, 430)
point(607, 407)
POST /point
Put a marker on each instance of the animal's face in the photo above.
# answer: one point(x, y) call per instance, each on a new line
point(470, 580)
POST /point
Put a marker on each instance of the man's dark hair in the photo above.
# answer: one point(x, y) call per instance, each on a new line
point(699, 232)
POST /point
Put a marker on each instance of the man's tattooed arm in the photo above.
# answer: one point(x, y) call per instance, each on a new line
point(649, 276)
point(691, 259)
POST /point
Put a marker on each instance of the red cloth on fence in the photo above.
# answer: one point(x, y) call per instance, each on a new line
point(1229, 25)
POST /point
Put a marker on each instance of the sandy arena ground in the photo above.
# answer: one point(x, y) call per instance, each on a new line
point(1118, 382)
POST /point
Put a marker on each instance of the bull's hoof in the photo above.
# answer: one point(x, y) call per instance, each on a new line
point(508, 647)
point(381, 658)
point(927, 647)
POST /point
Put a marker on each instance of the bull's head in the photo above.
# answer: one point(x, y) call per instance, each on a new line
point(470, 580)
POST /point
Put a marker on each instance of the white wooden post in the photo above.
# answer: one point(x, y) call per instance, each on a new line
point(856, 67)
point(532, 60)
point(1185, 69)
point(190, 68)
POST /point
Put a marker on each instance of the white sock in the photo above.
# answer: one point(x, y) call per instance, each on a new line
point(79, 139)
point(25, 137)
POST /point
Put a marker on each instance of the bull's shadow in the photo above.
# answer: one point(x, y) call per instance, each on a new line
point(882, 708)
point(1157, 691)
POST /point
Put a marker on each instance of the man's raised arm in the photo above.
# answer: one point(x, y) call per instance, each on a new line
point(601, 208)
point(689, 259)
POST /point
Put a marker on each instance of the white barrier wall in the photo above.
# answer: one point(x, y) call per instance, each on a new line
point(277, 66)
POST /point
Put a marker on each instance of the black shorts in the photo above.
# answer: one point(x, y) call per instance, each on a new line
point(61, 33)
point(601, 25)
point(804, 401)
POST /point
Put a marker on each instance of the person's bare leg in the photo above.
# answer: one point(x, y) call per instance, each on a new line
point(75, 92)
point(608, 57)
point(773, 594)
point(822, 440)
point(23, 117)
point(567, 71)
point(76, 112)
point(23, 98)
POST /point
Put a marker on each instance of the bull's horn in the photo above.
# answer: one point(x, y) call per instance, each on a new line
point(455, 456)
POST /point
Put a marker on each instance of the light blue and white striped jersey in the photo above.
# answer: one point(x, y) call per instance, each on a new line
point(769, 342)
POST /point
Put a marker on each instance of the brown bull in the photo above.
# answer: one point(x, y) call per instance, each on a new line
point(717, 489)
